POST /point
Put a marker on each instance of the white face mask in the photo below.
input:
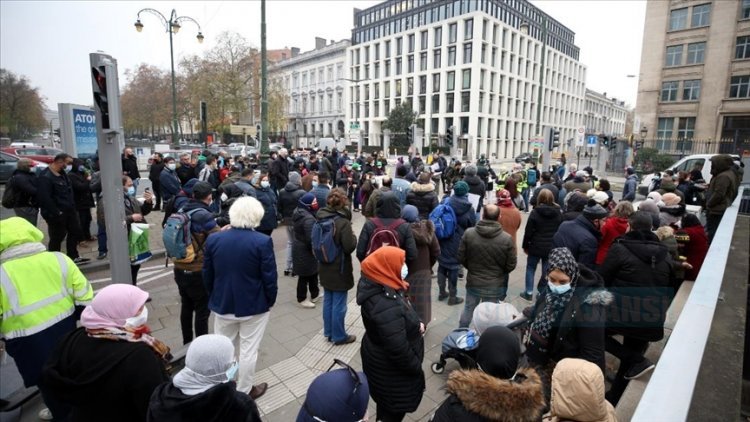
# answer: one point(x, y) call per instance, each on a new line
point(224, 197)
point(138, 320)
point(172, 166)
point(404, 271)
point(265, 184)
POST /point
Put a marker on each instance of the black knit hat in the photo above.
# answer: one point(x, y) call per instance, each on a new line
point(594, 211)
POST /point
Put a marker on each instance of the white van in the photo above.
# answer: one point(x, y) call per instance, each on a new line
point(685, 164)
point(330, 144)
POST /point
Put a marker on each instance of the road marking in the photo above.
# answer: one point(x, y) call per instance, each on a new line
point(143, 271)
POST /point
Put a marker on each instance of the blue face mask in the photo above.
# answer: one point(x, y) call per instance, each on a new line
point(315, 184)
point(131, 191)
point(558, 290)
point(232, 371)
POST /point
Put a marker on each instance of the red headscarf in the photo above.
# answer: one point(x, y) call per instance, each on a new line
point(384, 267)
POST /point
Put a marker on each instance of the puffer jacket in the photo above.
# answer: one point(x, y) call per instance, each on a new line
point(640, 302)
point(267, 197)
point(477, 187)
point(723, 186)
point(488, 253)
point(388, 209)
point(578, 394)
point(541, 226)
point(613, 228)
point(423, 197)
point(581, 238)
point(465, 217)
point(392, 348)
point(303, 260)
point(288, 199)
point(579, 331)
point(479, 397)
point(331, 275)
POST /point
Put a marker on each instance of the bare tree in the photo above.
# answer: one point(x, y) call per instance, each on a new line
point(21, 106)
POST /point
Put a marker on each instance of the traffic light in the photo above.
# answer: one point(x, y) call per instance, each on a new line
point(410, 134)
point(449, 136)
point(554, 139)
point(57, 132)
point(605, 141)
point(101, 99)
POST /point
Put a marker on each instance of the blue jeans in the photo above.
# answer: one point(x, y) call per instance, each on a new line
point(334, 314)
point(472, 300)
point(101, 236)
point(531, 263)
point(289, 241)
point(452, 276)
point(525, 195)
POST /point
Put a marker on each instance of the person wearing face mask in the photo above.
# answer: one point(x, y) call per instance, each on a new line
point(135, 213)
point(288, 200)
point(205, 389)
point(169, 182)
point(82, 196)
point(305, 266)
point(569, 316)
point(56, 201)
point(154, 175)
point(108, 368)
point(581, 236)
point(267, 196)
point(130, 166)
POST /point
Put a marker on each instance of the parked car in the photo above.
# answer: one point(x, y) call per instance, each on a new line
point(8, 165)
point(684, 164)
point(43, 154)
point(524, 157)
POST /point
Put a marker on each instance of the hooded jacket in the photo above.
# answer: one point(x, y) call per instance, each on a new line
point(288, 199)
point(488, 253)
point(541, 226)
point(388, 209)
point(613, 228)
point(723, 186)
point(202, 223)
point(267, 197)
point(477, 187)
point(428, 248)
point(24, 183)
point(581, 238)
point(640, 302)
point(303, 260)
point(465, 217)
point(95, 376)
point(169, 183)
point(331, 275)
point(578, 394)
point(221, 403)
point(423, 197)
point(630, 188)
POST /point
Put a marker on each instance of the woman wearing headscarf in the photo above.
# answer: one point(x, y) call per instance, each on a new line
point(578, 394)
point(304, 263)
point(420, 270)
point(497, 390)
point(393, 347)
point(108, 368)
point(568, 318)
point(204, 390)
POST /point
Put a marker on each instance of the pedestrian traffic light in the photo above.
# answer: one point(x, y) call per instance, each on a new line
point(554, 139)
point(410, 134)
point(101, 99)
point(605, 141)
point(449, 136)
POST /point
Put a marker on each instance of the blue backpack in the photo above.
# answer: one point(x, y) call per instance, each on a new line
point(444, 219)
point(531, 177)
point(178, 240)
point(324, 246)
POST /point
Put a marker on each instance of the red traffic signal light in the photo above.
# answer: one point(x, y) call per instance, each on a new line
point(100, 94)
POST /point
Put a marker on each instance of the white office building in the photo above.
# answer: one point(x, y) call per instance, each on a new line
point(604, 116)
point(473, 65)
point(316, 82)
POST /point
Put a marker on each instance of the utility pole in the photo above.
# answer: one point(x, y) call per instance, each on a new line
point(263, 81)
point(541, 77)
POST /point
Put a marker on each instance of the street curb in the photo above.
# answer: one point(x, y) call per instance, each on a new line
point(95, 265)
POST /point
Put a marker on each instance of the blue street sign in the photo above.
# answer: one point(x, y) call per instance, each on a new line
point(592, 140)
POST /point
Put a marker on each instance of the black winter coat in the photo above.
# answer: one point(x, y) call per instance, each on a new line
point(25, 184)
point(130, 167)
point(423, 197)
point(392, 348)
point(638, 271)
point(579, 332)
point(388, 209)
point(303, 260)
point(82, 195)
point(477, 187)
point(267, 197)
point(184, 173)
point(581, 238)
point(541, 227)
point(465, 217)
point(288, 199)
point(54, 195)
point(220, 403)
point(154, 172)
point(279, 172)
point(331, 275)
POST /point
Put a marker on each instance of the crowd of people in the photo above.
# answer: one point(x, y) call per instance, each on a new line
point(591, 298)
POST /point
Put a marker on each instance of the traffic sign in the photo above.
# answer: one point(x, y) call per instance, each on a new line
point(591, 139)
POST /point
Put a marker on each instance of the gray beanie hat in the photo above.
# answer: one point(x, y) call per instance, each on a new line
point(471, 170)
point(295, 177)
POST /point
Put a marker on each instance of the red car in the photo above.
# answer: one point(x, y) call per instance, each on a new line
point(8, 164)
point(43, 154)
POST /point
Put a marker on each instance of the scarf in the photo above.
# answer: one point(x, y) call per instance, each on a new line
point(554, 305)
point(384, 267)
point(135, 335)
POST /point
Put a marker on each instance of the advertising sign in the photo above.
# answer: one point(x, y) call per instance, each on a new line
point(84, 133)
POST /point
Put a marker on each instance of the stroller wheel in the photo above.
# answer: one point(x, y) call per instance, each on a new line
point(437, 368)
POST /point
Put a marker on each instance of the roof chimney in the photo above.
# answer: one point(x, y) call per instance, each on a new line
point(319, 43)
point(295, 51)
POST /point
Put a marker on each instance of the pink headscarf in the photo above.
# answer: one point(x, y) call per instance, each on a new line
point(112, 306)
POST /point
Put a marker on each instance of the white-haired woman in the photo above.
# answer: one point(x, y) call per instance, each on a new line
point(239, 271)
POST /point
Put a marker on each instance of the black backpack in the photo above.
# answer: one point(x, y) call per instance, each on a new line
point(10, 196)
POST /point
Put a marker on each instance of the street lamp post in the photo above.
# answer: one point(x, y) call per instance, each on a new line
point(359, 104)
point(172, 25)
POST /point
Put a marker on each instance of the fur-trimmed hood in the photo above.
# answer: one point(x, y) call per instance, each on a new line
point(520, 399)
point(420, 188)
point(423, 232)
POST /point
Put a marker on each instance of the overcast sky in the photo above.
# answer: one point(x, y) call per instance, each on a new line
point(49, 42)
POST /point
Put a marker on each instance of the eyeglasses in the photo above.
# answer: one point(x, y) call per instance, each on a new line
point(357, 383)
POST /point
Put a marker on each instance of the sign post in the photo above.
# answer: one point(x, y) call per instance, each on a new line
point(110, 135)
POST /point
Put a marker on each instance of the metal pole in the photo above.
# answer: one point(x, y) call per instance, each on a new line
point(263, 81)
point(174, 90)
point(541, 78)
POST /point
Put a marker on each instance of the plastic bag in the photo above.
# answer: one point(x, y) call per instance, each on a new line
point(138, 246)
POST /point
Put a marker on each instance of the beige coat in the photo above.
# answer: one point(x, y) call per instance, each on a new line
point(578, 393)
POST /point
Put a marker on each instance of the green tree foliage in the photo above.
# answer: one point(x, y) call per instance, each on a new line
point(21, 106)
point(649, 160)
point(398, 121)
point(146, 101)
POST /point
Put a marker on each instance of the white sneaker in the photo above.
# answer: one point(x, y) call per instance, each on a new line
point(45, 414)
point(307, 304)
point(316, 299)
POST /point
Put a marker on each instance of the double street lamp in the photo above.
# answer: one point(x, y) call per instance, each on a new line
point(172, 26)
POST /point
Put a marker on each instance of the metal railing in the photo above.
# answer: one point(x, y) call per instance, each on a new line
point(669, 393)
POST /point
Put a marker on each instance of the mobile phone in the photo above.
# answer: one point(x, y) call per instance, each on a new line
point(148, 190)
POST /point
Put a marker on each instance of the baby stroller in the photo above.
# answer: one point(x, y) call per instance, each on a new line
point(461, 343)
